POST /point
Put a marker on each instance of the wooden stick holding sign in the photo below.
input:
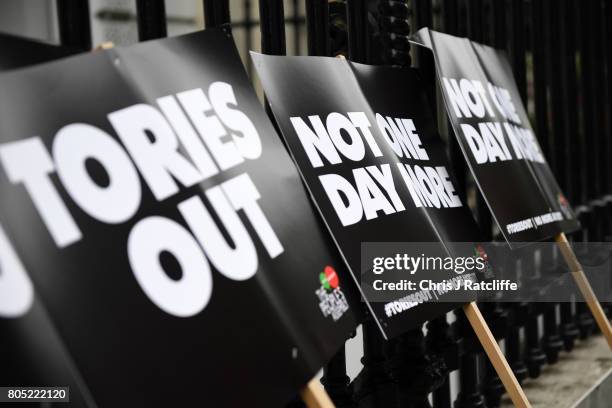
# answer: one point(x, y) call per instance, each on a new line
point(314, 396)
point(107, 45)
point(585, 287)
point(497, 358)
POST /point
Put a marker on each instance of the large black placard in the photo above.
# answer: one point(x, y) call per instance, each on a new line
point(493, 130)
point(362, 136)
point(31, 352)
point(165, 227)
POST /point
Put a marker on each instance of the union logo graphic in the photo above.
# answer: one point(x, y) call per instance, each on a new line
point(480, 252)
point(332, 301)
point(565, 206)
point(329, 278)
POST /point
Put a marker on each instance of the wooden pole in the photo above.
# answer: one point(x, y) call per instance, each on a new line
point(496, 356)
point(107, 45)
point(585, 287)
point(314, 395)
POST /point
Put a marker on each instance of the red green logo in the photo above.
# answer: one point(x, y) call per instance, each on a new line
point(329, 278)
point(565, 206)
point(479, 251)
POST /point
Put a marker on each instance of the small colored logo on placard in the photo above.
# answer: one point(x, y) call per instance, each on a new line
point(480, 252)
point(329, 278)
point(332, 301)
point(565, 206)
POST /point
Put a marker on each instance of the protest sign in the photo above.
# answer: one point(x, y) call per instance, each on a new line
point(367, 148)
point(500, 147)
point(374, 165)
point(165, 228)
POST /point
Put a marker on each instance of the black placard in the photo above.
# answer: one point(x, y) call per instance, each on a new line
point(18, 52)
point(361, 136)
point(166, 229)
point(31, 352)
point(493, 130)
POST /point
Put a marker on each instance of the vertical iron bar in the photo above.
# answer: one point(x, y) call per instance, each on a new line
point(151, 17)
point(539, 25)
point(441, 342)
point(357, 21)
point(516, 41)
point(597, 71)
point(492, 31)
point(470, 394)
point(552, 340)
point(589, 126)
point(585, 99)
point(216, 13)
point(498, 30)
point(513, 341)
point(556, 77)
point(415, 368)
point(586, 93)
point(574, 182)
point(541, 39)
point(576, 324)
point(439, 327)
point(534, 356)
point(394, 29)
point(517, 45)
point(317, 22)
point(608, 53)
point(74, 25)
point(272, 24)
point(607, 148)
point(450, 14)
point(601, 137)
point(462, 18)
point(424, 18)
point(475, 19)
point(297, 28)
point(563, 76)
point(248, 35)
point(374, 386)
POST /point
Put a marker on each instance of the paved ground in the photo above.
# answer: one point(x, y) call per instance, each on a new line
point(565, 383)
